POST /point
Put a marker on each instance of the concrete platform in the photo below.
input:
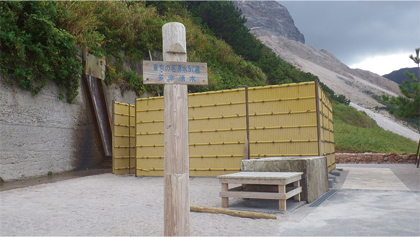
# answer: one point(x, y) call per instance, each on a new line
point(387, 177)
point(315, 176)
point(373, 179)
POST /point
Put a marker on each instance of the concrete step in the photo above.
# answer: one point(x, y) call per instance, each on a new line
point(335, 172)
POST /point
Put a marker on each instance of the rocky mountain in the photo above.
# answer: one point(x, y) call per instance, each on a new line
point(270, 17)
point(271, 23)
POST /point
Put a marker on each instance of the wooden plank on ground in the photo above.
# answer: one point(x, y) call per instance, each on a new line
point(246, 214)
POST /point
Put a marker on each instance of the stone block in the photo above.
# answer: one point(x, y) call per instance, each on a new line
point(315, 173)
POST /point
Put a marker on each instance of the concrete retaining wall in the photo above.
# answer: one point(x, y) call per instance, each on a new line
point(315, 175)
point(42, 134)
point(379, 158)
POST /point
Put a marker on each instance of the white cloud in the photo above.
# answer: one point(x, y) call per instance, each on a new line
point(385, 64)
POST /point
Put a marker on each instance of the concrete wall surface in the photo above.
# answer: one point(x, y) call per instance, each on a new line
point(315, 176)
point(41, 134)
point(113, 92)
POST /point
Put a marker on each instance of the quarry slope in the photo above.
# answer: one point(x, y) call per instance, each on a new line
point(275, 28)
point(272, 24)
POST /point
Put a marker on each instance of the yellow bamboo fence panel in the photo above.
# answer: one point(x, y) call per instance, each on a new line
point(327, 129)
point(287, 116)
point(283, 121)
point(217, 132)
point(149, 136)
point(123, 152)
point(217, 125)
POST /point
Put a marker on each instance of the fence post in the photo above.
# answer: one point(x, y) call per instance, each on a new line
point(247, 144)
point(318, 118)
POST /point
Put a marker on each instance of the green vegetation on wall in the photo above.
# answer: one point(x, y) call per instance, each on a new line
point(34, 49)
point(38, 40)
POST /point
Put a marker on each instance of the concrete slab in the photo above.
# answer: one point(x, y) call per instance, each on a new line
point(408, 174)
point(373, 179)
point(359, 213)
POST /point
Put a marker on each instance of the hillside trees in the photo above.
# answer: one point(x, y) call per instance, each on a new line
point(116, 30)
point(408, 105)
point(39, 41)
point(227, 23)
point(227, 70)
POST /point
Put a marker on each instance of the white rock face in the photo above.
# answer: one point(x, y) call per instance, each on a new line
point(357, 85)
point(271, 17)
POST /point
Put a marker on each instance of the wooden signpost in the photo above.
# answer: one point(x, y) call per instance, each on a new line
point(176, 74)
point(161, 72)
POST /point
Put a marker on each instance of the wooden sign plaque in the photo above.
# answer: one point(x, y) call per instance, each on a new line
point(164, 72)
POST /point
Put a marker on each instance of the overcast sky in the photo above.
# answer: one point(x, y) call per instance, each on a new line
point(373, 35)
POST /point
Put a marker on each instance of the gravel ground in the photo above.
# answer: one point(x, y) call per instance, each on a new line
point(110, 205)
point(114, 205)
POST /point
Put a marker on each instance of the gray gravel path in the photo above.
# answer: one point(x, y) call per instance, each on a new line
point(112, 205)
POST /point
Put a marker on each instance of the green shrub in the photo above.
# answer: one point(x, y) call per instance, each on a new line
point(34, 49)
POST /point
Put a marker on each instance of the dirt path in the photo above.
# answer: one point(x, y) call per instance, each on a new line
point(388, 124)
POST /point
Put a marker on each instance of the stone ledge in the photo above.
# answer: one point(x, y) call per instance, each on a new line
point(375, 158)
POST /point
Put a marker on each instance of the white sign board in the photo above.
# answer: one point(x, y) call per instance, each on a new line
point(163, 72)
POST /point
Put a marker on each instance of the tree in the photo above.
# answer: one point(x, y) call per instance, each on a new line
point(416, 60)
point(226, 22)
point(408, 105)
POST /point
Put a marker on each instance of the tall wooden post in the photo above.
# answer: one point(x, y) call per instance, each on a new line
point(176, 74)
point(176, 178)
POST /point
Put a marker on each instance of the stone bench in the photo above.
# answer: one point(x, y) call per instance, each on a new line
point(279, 179)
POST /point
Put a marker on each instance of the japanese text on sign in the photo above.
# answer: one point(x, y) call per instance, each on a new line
point(158, 72)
